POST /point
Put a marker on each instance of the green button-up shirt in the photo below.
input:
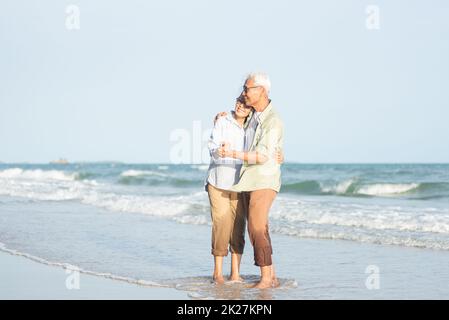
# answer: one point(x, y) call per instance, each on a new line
point(268, 139)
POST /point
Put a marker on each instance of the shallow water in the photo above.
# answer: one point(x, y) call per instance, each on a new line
point(157, 233)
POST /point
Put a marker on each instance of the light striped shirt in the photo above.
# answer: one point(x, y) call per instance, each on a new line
point(223, 173)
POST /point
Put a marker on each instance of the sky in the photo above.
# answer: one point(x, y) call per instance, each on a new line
point(354, 81)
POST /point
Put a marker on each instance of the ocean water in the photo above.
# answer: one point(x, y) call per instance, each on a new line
point(148, 223)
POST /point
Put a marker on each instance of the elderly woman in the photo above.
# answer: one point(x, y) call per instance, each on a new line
point(228, 216)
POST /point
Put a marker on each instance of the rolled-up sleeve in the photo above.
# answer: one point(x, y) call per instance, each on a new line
point(216, 139)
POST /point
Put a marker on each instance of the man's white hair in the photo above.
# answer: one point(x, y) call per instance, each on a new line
point(260, 79)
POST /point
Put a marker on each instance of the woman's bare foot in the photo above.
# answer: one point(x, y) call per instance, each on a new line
point(218, 279)
point(236, 278)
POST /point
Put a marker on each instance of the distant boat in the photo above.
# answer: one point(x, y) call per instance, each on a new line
point(60, 161)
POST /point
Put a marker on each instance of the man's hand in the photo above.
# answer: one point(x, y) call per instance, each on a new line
point(279, 157)
point(221, 114)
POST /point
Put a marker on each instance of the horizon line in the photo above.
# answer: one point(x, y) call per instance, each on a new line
point(203, 163)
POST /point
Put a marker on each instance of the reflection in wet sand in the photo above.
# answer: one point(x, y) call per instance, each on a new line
point(204, 288)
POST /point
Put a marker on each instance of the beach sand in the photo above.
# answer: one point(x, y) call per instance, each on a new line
point(176, 258)
point(307, 268)
point(22, 278)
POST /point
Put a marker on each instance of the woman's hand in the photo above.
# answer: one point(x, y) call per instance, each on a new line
point(224, 151)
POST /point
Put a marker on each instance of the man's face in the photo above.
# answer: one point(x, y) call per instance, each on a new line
point(252, 93)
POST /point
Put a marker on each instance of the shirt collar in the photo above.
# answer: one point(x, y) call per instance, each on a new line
point(265, 112)
point(230, 117)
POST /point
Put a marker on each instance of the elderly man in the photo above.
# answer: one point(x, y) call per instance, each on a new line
point(260, 175)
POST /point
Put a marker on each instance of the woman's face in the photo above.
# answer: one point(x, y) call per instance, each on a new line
point(241, 110)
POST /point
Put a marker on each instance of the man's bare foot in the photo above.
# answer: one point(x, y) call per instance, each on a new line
point(218, 279)
point(275, 283)
point(263, 284)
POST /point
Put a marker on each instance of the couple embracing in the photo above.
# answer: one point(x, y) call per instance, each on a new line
point(244, 178)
